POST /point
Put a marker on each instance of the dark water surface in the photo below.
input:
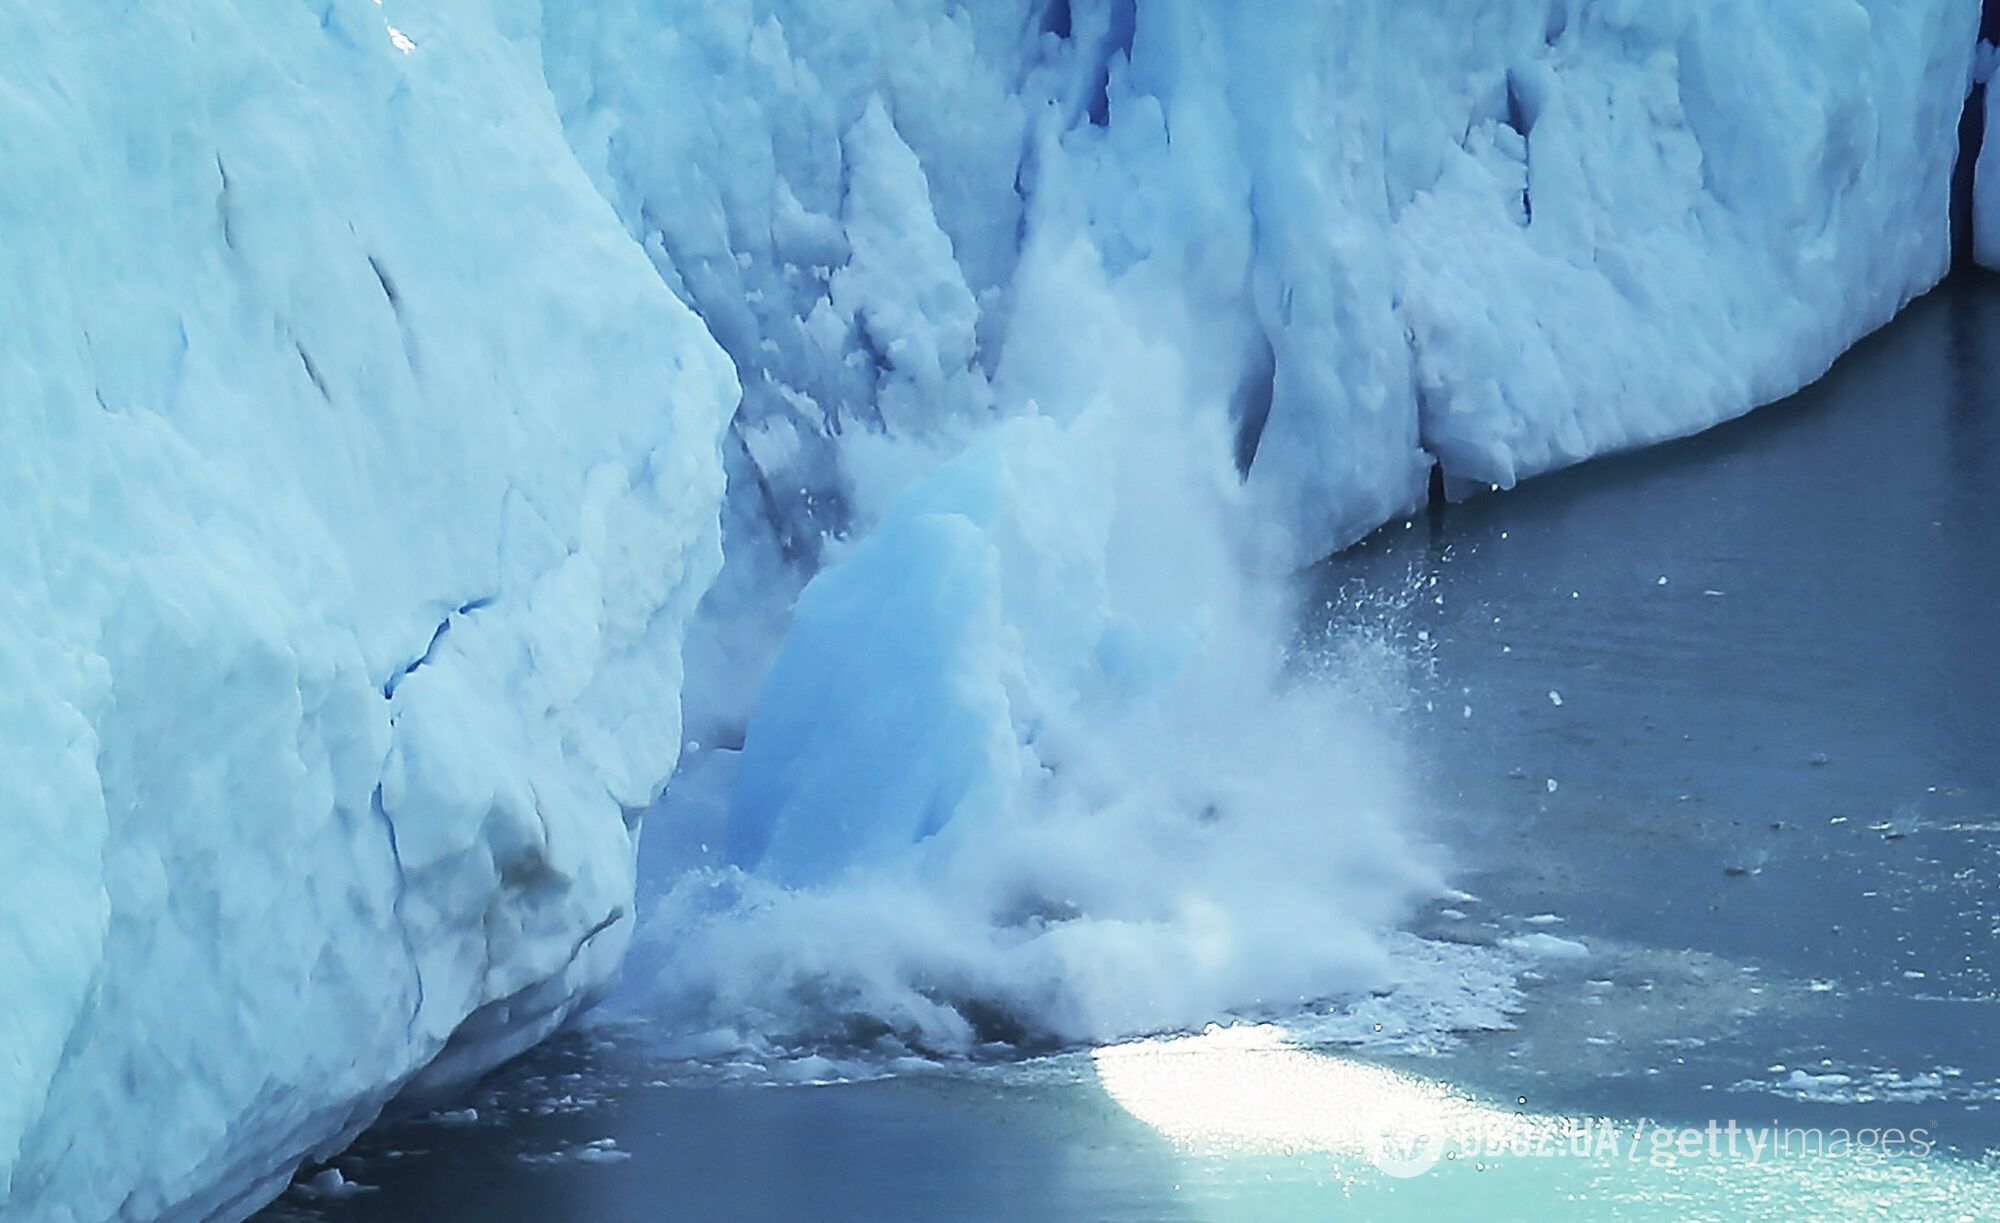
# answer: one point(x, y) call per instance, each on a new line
point(1786, 755)
point(1774, 823)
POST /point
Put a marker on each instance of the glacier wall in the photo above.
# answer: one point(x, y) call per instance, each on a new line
point(361, 476)
point(1981, 212)
point(1499, 239)
point(1063, 325)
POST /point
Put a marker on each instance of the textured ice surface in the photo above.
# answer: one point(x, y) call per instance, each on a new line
point(1986, 179)
point(1510, 239)
point(1327, 245)
point(360, 476)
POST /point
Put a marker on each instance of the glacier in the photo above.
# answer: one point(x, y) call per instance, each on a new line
point(1193, 296)
point(413, 407)
point(362, 476)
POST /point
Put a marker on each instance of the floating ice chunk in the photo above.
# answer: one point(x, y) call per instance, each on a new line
point(1546, 946)
point(602, 1151)
point(599, 1151)
point(330, 1184)
point(1829, 1084)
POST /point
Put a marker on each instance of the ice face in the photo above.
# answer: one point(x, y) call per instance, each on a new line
point(1696, 184)
point(1985, 204)
point(1502, 243)
point(361, 476)
point(1508, 241)
point(1334, 244)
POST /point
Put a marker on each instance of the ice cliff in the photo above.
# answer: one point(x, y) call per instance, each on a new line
point(361, 476)
point(1234, 281)
point(370, 376)
point(1509, 236)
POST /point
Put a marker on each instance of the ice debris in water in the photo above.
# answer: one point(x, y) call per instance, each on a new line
point(1546, 946)
point(330, 1184)
point(599, 1151)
